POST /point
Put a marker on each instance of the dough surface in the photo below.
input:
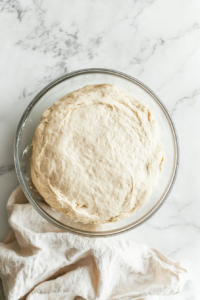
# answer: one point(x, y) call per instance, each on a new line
point(96, 154)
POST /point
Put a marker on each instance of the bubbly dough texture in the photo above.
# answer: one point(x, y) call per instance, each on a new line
point(96, 154)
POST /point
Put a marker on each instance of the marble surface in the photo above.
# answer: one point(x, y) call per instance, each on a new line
point(155, 41)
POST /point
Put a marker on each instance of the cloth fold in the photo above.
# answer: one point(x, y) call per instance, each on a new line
point(39, 261)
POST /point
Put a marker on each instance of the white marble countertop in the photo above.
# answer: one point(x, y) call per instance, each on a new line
point(155, 41)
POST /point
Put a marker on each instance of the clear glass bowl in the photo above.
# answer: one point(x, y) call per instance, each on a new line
point(53, 92)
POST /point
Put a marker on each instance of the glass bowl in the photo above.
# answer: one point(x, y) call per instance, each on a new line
point(53, 92)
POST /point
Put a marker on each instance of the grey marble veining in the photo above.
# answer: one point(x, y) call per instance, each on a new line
point(155, 41)
point(5, 169)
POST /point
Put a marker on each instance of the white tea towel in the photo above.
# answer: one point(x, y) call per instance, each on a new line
point(39, 261)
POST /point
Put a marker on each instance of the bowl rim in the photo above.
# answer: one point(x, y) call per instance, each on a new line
point(18, 168)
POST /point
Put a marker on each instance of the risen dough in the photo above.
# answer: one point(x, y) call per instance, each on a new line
point(96, 154)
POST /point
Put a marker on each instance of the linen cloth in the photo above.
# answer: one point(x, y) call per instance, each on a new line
point(1, 291)
point(38, 261)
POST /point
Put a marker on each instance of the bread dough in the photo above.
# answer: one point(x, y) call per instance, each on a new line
point(96, 154)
